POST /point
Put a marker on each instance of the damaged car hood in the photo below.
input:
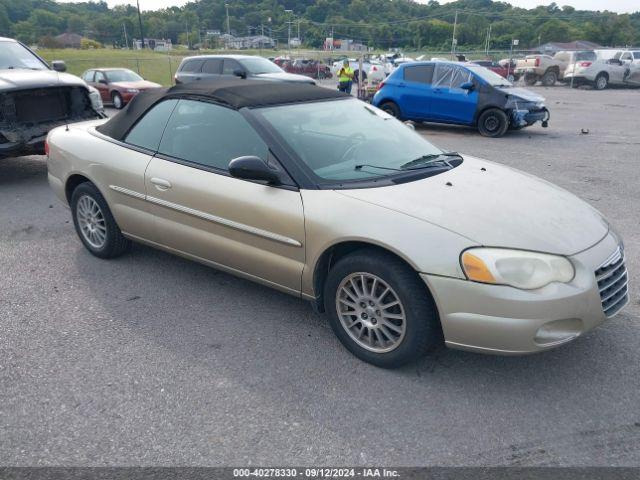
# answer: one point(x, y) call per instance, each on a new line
point(498, 206)
point(21, 79)
point(521, 93)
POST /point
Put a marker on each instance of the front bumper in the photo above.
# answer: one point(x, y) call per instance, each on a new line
point(35, 146)
point(508, 321)
point(525, 118)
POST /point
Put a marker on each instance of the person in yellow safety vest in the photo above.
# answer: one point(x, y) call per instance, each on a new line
point(345, 78)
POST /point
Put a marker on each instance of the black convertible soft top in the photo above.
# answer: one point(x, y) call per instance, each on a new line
point(235, 92)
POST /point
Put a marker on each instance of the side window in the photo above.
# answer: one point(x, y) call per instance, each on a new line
point(88, 76)
point(210, 135)
point(627, 56)
point(148, 131)
point(419, 74)
point(213, 65)
point(636, 55)
point(192, 66)
point(229, 66)
point(443, 74)
point(100, 76)
point(460, 75)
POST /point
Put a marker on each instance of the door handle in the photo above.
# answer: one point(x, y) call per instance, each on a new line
point(161, 184)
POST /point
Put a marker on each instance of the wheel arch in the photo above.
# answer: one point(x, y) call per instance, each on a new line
point(340, 249)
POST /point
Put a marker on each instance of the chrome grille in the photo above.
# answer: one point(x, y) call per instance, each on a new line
point(612, 281)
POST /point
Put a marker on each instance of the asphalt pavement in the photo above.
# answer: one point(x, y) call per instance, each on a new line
point(154, 360)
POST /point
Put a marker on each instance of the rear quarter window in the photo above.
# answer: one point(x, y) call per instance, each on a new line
point(419, 74)
point(191, 66)
point(148, 131)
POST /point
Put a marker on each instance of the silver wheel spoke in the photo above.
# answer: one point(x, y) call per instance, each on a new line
point(371, 312)
point(91, 221)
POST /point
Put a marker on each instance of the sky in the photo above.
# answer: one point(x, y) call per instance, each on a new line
point(620, 6)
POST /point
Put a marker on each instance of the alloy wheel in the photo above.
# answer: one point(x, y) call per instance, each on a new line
point(91, 222)
point(371, 312)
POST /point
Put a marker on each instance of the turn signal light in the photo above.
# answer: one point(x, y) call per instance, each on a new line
point(476, 269)
point(380, 85)
point(46, 148)
point(585, 64)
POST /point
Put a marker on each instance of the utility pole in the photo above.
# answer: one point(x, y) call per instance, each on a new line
point(140, 22)
point(186, 26)
point(226, 5)
point(454, 40)
point(289, 31)
point(126, 38)
point(489, 40)
point(299, 40)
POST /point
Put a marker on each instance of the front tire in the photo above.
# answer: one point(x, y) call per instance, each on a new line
point(391, 108)
point(116, 98)
point(95, 224)
point(493, 123)
point(380, 309)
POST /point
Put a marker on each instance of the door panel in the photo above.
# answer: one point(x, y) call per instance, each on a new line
point(450, 103)
point(245, 226)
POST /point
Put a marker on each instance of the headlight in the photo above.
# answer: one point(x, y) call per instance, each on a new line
point(517, 268)
point(132, 90)
point(96, 100)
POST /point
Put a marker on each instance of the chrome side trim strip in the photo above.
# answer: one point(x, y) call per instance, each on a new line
point(227, 223)
point(211, 218)
point(126, 191)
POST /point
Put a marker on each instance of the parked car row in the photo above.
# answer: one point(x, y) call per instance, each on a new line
point(599, 68)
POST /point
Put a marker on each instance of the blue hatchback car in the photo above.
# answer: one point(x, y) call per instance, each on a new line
point(461, 94)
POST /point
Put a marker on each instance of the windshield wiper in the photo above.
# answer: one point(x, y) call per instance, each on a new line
point(361, 166)
point(426, 161)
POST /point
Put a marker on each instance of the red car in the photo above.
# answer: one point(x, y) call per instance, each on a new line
point(310, 68)
point(117, 85)
point(502, 68)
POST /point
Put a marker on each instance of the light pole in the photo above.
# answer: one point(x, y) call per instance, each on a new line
point(226, 6)
point(290, 12)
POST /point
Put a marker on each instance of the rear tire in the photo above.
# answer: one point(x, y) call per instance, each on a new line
point(386, 337)
point(549, 78)
point(116, 98)
point(391, 108)
point(95, 224)
point(493, 123)
point(601, 82)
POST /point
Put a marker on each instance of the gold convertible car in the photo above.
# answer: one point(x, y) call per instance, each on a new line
point(325, 197)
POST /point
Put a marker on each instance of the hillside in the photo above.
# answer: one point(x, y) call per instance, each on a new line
point(378, 23)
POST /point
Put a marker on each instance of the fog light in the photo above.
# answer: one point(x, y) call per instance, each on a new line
point(558, 331)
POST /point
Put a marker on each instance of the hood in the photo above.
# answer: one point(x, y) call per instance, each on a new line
point(20, 79)
point(521, 93)
point(140, 85)
point(285, 77)
point(498, 207)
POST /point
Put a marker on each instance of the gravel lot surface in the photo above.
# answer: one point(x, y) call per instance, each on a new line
point(153, 360)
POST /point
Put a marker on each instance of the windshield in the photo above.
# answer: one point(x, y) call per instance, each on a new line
point(14, 55)
point(123, 76)
point(258, 65)
point(348, 139)
point(492, 78)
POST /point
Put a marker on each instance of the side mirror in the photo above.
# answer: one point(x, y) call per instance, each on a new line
point(253, 168)
point(59, 66)
point(467, 86)
point(240, 73)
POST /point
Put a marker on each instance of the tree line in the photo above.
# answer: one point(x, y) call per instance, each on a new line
point(376, 23)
